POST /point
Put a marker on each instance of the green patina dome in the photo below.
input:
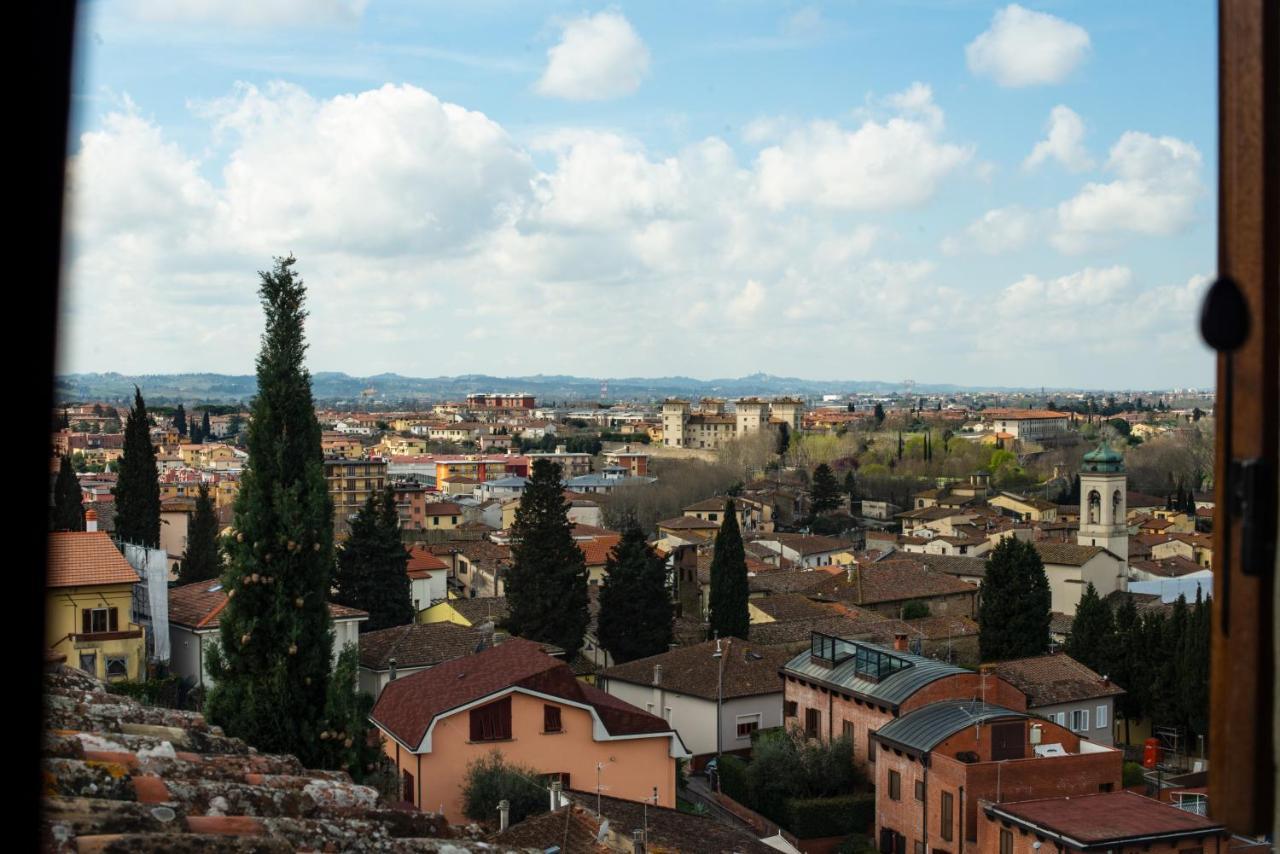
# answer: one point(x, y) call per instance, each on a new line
point(1103, 459)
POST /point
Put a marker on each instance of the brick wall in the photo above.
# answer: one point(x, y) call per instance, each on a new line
point(988, 841)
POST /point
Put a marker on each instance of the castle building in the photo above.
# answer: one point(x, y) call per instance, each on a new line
point(710, 426)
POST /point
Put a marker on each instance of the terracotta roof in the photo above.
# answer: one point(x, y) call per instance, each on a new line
point(418, 645)
point(857, 624)
point(80, 558)
point(422, 562)
point(1068, 554)
point(597, 551)
point(443, 508)
point(787, 580)
point(199, 604)
point(790, 606)
point(890, 581)
point(407, 706)
point(808, 544)
point(481, 609)
point(1107, 820)
point(1021, 414)
point(959, 565)
point(1051, 679)
point(118, 775)
point(690, 522)
point(749, 669)
point(1169, 567)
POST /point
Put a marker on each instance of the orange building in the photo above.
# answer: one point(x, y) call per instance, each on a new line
point(516, 699)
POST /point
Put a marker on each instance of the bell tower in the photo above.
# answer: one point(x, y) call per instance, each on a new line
point(1103, 507)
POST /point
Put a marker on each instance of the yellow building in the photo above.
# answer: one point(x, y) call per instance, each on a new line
point(350, 483)
point(88, 610)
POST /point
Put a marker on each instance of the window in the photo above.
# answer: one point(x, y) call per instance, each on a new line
point(1101, 713)
point(435, 520)
point(919, 847)
point(812, 722)
point(1060, 718)
point(1006, 842)
point(846, 730)
point(117, 667)
point(789, 709)
point(871, 747)
point(408, 793)
point(453, 520)
point(89, 663)
point(492, 722)
point(1080, 720)
point(94, 620)
point(747, 724)
point(551, 719)
point(919, 790)
point(948, 815)
point(895, 786)
point(712, 517)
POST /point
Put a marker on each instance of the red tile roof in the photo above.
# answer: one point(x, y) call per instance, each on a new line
point(1109, 818)
point(422, 562)
point(597, 551)
point(407, 706)
point(199, 604)
point(1057, 678)
point(81, 558)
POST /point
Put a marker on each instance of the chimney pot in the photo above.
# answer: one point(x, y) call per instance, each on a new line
point(392, 664)
point(900, 641)
point(504, 813)
point(91, 520)
point(657, 674)
point(555, 795)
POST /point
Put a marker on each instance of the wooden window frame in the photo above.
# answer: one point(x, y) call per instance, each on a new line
point(895, 785)
point(552, 722)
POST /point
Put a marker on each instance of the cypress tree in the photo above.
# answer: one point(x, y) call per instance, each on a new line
point(635, 606)
point(851, 486)
point(180, 420)
point(205, 430)
point(784, 438)
point(1166, 639)
point(1127, 666)
point(878, 414)
point(68, 507)
point(137, 490)
point(547, 585)
point(1092, 639)
point(1194, 667)
point(1013, 619)
point(900, 445)
point(272, 667)
point(203, 559)
point(729, 614)
point(825, 490)
point(372, 574)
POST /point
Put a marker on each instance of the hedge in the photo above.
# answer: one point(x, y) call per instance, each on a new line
point(733, 778)
point(815, 818)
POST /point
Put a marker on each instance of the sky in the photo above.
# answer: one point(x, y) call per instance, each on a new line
point(964, 192)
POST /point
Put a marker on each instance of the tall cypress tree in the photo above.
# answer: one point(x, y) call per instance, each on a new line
point(68, 506)
point(137, 490)
point(729, 616)
point(1194, 667)
point(1092, 639)
point(203, 559)
point(1013, 619)
point(372, 563)
point(547, 585)
point(1127, 666)
point(272, 667)
point(635, 606)
point(851, 486)
point(205, 430)
point(180, 420)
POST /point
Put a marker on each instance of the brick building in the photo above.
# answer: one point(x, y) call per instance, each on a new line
point(839, 687)
point(935, 763)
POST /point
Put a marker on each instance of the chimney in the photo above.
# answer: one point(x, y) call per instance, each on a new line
point(504, 814)
point(392, 663)
point(91, 520)
point(900, 641)
point(637, 841)
point(555, 795)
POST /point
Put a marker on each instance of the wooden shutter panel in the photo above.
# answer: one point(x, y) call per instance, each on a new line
point(113, 619)
point(86, 620)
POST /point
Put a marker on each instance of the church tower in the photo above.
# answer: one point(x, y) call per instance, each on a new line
point(1103, 507)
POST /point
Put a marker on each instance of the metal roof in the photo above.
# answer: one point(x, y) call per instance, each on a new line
point(891, 690)
point(926, 727)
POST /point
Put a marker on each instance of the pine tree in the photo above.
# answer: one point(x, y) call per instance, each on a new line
point(635, 605)
point(851, 486)
point(1092, 639)
point(547, 585)
point(272, 668)
point(68, 506)
point(203, 559)
point(1013, 619)
point(729, 614)
point(825, 490)
point(180, 420)
point(372, 574)
point(137, 490)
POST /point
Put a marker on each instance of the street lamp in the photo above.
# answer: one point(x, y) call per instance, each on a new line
point(719, 656)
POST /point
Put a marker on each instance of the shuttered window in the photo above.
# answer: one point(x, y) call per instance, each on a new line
point(948, 815)
point(492, 722)
point(551, 719)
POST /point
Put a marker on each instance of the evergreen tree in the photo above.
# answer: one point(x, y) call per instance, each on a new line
point(900, 445)
point(729, 614)
point(1193, 670)
point(272, 668)
point(137, 489)
point(1092, 639)
point(205, 430)
point(851, 486)
point(879, 415)
point(1013, 618)
point(1127, 667)
point(1166, 638)
point(68, 507)
point(784, 438)
point(547, 586)
point(635, 606)
point(203, 559)
point(825, 490)
point(372, 574)
point(180, 420)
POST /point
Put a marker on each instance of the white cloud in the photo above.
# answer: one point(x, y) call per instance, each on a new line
point(1030, 295)
point(1064, 142)
point(1155, 191)
point(996, 232)
point(1026, 48)
point(880, 166)
point(597, 58)
point(247, 13)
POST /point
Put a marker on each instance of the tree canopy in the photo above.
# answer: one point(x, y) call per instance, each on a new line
point(1013, 618)
point(372, 563)
point(635, 605)
point(729, 615)
point(137, 489)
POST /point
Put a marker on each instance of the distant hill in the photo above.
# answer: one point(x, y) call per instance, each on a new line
point(333, 387)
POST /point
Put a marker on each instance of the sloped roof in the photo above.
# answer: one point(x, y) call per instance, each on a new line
point(749, 669)
point(790, 606)
point(1068, 554)
point(481, 609)
point(892, 689)
point(890, 581)
point(81, 558)
point(418, 645)
point(1106, 820)
point(408, 706)
point(422, 562)
point(198, 605)
point(928, 726)
point(1048, 680)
